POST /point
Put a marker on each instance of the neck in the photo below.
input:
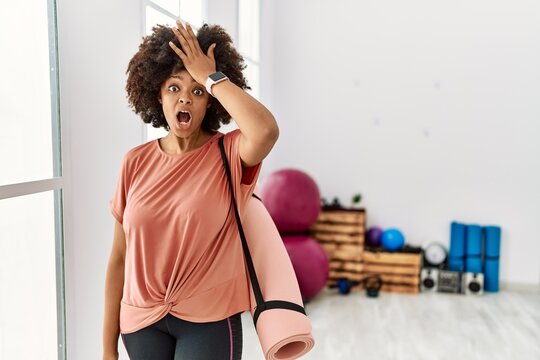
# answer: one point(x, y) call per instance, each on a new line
point(178, 145)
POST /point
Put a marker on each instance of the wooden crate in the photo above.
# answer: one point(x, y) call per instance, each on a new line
point(341, 233)
point(399, 271)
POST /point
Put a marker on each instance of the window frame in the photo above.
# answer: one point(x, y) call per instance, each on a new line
point(56, 184)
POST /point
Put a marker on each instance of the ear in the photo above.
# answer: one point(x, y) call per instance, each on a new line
point(159, 99)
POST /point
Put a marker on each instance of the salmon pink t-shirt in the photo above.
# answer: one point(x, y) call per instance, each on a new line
point(183, 252)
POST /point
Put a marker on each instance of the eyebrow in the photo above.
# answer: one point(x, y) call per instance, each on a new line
point(180, 78)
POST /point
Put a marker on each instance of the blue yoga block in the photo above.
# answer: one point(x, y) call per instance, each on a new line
point(456, 264)
point(457, 240)
point(491, 275)
point(473, 264)
point(474, 240)
point(493, 241)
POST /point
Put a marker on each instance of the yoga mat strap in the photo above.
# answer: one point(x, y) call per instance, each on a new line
point(276, 304)
point(261, 304)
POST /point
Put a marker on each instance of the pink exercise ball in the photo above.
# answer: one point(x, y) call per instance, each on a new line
point(292, 199)
point(310, 263)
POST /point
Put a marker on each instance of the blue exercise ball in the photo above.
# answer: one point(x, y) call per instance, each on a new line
point(392, 239)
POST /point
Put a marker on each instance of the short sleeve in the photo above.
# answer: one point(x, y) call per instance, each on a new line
point(244, 179)
point(118, 202)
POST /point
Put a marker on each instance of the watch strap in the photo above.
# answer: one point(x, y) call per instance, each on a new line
point(213, 79)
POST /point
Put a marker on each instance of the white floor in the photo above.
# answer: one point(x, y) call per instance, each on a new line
point(504, 325)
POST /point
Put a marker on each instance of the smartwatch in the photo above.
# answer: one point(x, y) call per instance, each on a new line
point(213, 79)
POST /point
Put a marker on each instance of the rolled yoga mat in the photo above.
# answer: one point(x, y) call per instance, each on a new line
point(491, 261)
point(456, 254)
point(283, 334)
point(473, 249)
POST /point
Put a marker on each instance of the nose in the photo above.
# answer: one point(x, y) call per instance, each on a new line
point(184, 99)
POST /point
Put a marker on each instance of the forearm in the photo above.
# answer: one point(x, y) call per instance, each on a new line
point(256, 122)
point(114, 284)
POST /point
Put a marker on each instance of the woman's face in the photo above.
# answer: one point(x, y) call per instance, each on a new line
point(184, 103)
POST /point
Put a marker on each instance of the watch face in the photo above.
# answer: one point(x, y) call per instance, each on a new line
point(435, 254)
point(217, 76)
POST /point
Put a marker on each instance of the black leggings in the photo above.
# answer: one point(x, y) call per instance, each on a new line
point(172, 338)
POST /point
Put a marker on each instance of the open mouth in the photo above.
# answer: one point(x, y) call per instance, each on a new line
point(183, 117)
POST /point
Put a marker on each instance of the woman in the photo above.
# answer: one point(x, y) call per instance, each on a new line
point(176, 281)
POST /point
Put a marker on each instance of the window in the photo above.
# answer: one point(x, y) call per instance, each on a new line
point(31, 185)
point(165, 12)
point(248, 25)
point(248, 41)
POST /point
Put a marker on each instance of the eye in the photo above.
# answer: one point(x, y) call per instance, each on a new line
point(198, 92)
point(173, 88)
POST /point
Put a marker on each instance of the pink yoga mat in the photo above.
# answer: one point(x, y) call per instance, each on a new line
point(283, 334)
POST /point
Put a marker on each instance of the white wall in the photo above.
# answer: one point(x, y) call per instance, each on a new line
point(428, 108)
point(96, 41)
